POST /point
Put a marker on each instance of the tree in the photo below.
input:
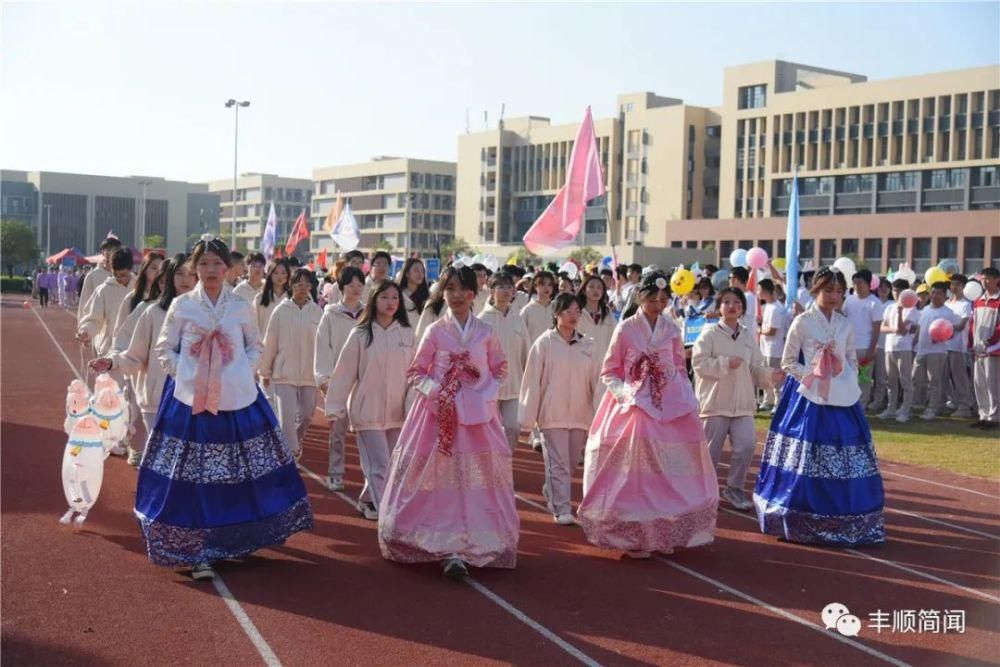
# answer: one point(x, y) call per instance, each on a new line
point(585, 255)
point(457, 246)
point(383, 244)
point(155, 241)
point(523, 257)
point(17, 244)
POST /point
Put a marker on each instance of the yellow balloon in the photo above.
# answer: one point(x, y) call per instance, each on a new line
point(780, 263)
point(935, 275)
point(682, 282)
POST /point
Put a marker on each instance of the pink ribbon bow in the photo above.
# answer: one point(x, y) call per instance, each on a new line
point(647, 366)
point(825, 366)
point(214, 350)
point(460, 369)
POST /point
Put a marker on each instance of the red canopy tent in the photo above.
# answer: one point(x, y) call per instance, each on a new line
point(136, 256)
point(68, 253)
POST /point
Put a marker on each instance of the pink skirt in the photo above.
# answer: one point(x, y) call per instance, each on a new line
point(648, 485)
point(437, 506)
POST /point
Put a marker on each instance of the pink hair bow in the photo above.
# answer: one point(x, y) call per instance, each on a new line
point(214, 350)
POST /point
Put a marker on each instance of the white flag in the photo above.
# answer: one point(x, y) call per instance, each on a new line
point(267, 243)
point(345, 233)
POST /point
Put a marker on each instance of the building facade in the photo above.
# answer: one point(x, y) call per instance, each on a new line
point(79, 210)
point(407, 203)
point(254, 195)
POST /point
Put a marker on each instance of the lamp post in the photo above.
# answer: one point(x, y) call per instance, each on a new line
point(236, 140)
point(48, 229)
point(141, 227)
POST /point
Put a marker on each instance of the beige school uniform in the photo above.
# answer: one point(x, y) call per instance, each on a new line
point(334, 328)
point(601, 332)
point(139, 358)
point(91, 282)
point(537, 318)
point(101, 314)
point(513, 335)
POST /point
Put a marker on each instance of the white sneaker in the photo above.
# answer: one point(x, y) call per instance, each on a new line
point(368, 511)
point(887, 414)
point(134, 457)
point(334, 484)
point(638, 555)
point(118, 450)
point(454, 568)
point(902, 418)
point(736, 498)
point(929, 415)
point(565, 519)
point(202, 571)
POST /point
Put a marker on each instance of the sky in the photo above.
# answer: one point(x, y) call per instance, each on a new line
point(123, 88)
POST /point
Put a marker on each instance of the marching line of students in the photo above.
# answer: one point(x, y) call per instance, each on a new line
point(438, 408)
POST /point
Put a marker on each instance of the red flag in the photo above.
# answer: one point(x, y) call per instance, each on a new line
point(278, 254)
point(300, 232)
point(321, 260)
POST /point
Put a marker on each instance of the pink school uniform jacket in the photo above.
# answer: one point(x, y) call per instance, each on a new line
point(648, 483)
point(450, 487)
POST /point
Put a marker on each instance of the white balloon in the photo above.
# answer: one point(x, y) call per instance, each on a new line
point(491, 263)
point(570, 269)
point(973, 290)
point(82, 469)
point(846, 266)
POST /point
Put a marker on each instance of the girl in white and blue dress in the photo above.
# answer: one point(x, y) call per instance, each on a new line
point(819, 480)
point(217, 480)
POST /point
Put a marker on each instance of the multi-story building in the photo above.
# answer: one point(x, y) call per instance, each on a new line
point(861, 149)
point(405, 202)
point(254, 195)
point(80, 209)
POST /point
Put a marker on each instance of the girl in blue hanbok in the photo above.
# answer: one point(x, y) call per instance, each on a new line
point(819, 479)
point(217, 480)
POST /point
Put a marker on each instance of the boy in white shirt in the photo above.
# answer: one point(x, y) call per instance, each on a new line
point(899, 324)
point(958, 356)
point(773, 328)
point(934, 354)
point(864, 311)
point(738, 278)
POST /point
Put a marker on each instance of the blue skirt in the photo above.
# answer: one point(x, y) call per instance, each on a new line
point(220, 486)
point(819, 480)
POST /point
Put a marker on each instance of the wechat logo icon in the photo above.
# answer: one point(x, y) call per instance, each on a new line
point(837, 616)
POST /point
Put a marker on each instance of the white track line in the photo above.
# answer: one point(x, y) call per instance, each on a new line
point(749, 598)
point(947, 486)
point(944, 523)
point(892, 564)
point(251, 631)
point(781, 612)
point(489, 594)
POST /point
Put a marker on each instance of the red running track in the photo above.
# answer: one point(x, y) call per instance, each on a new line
point(327, 597)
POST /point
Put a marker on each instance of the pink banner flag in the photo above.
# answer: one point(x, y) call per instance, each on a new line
point(561, 222)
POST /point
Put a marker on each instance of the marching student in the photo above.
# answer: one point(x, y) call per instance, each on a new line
point(413, 281)
point(287, 360)
point(648, 482)
point(369, 384)
point(557, 394)
point(508, 326)
point(146, 287)
point(99, 274)
point(986, 350)
point(864, 312)
point(935, 354)
point(727, 365)
point(537, 316)
point(275, 290)
point(249, 288)
point(238, 489)
point(774, 326)
point(738, 277)
point(819, 480)
point(433, 310)
point(235, 273)
point(880, 373)
point(336, 324)
point(482, 283)
point(958, 357)
point(381, 261)
point(598, 322)
point(449, 495)
point(354, 258)
point(899, 326)
point(139, 356)
point(97, 324)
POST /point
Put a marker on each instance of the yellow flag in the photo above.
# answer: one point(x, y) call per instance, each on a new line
point(334, 215)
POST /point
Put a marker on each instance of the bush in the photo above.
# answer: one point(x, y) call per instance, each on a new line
point(16, 284)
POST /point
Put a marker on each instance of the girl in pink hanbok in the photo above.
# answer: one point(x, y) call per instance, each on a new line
point(449, 494)
point(648, 484)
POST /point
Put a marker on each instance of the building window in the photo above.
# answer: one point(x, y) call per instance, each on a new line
point(921, 255)
point(725, 250)
point(873, 255)
point(984, 177)
point(827, 252)
point(947, 247)
point(807, 251)
point(897, 252)
point(752, 97)
point(767, 246)
point(849, 247)
point(975, 249)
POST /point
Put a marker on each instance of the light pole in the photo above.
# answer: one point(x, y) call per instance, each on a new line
point(48, 229)
point(141, 231)
point(236, 141)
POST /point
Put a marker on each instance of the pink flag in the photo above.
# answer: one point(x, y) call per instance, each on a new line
point(561, 222)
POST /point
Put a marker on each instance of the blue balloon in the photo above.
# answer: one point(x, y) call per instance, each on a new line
point(720, 279)
point(738, 257)
point(606, 262)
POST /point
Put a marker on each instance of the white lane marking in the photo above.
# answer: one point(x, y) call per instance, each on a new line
point(973, 531)
point(270, 659)
point(947, 486)
point(490, 595)
point(893, 564)
point(750, 598)
point(781, 612)
point(259, 643)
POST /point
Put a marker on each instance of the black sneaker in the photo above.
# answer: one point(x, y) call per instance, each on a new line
point(455, 569)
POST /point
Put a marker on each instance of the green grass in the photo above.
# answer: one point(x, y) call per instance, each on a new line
point(946, 444)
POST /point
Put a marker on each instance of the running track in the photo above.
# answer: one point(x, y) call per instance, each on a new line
point(327, 597)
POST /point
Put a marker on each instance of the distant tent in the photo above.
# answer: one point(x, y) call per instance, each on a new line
point(67, 256)
point(96, 259)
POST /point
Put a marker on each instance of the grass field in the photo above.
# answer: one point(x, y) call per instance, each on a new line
point(947, 444)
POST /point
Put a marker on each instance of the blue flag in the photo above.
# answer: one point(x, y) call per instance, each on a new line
point(792, 247)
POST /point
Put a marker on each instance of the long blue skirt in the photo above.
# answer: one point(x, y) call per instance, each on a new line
point(819, 480)
point(220, 486)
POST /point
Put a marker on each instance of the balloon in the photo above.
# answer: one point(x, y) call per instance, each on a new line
point(738, 257)
point(570, 269)
point(935, 275)
point(973, 290)
point(941, 330)
point(875, 282)
point(606, 262)
point(682, 282)
point(905, 273)
point(366, 267)
point(949, 266)
point(82, 469)
point(720, 279)
point(908, 298)
point(780, 263)
point(512, 260)
point(756, 258)
point(491, 263)
point(846, 266)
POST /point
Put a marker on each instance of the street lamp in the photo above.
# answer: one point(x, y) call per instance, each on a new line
point(236, 140)
point(141, 227)
point(48, 229)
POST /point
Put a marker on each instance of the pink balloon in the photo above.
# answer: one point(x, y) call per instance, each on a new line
point(941, 330)
point(908, 298)
point(875, 282)
point(366, 267)
point(756, 258)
